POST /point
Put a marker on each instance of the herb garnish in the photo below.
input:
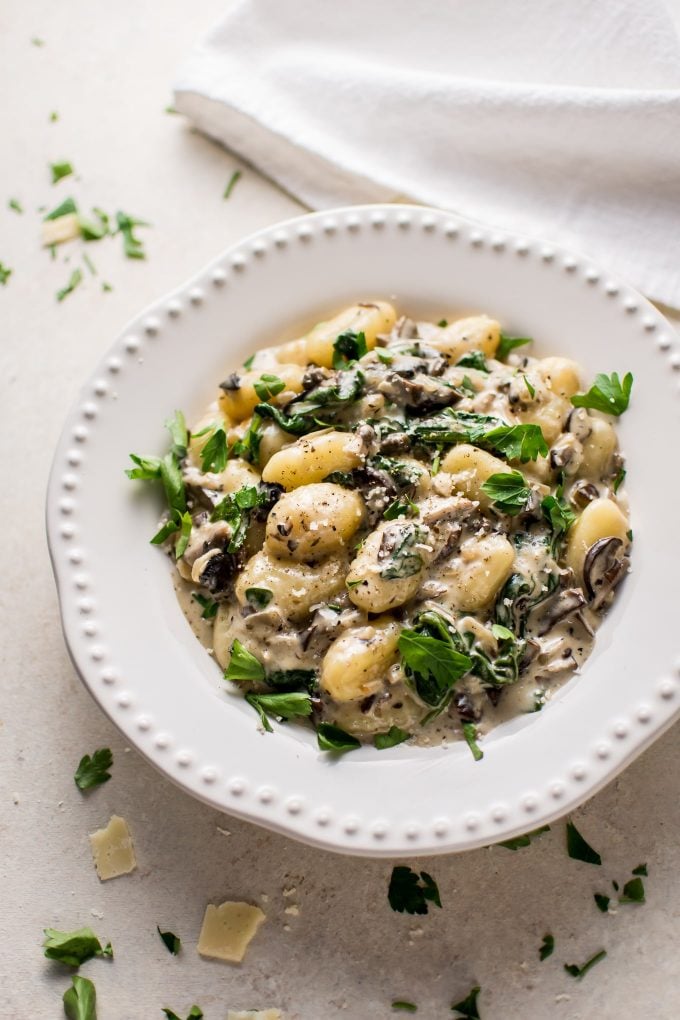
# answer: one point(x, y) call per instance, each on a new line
point(80, 1001)
point(641, 870)
point(177, 522)
point(195, 1013)
point(5, 273)
point(243, 666)
point(607, 394)
point(267, 386)
point(132, 246)
point(259, 597)
point(633, 891)
point(530, 387)
point(172, 943)
point(231, 183)
point(348, 348)
point(400, 508)
point(15, 204)
point(59, 170)
point(509, 343)
point(559, 516)
point(468, 1007)
point(546, 948)
point(470, 735)
point(93, 771)
point(411, 893)
point(619, 479)
point(602, 902)
point(209, 606)
point(580, 972)
point(63, 209)
point(524, 840)
point(248, 446)
point(333, 738)
point(515, 442)
point(508, 491)
point(284, 705)
point(473, 359)
point(403, 561)
point(72, 948)
point(394, 736)
point(578, 849)
point(405, 1007)
point(91, 230)
point(74, 279)
point(431, 662)
point(215, 453)
point(234, 509)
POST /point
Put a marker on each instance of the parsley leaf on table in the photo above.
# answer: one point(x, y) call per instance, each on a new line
point(546, 948)
point(410, 893)
point(80, 1001)
point(508, 491)
point(524, 840)
point(74, 947)
point(333, 738)
point(580, 972)
point(467, 1007)
point(60, 170)
point(172, 943)
point(578, 849)
point(93, 770)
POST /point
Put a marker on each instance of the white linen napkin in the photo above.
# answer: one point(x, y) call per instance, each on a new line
point(556, 118)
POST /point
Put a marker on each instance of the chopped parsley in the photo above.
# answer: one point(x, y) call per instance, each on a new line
point(90, 264)
point(171, 110)
point(559, 516)
point(524, 840)
point(15, 204)
point(284, 705)
point(195, 1013)
point(54, 117)
point(231, 183)
point(209, 606)
point(607, 394)
point(394, 736)
point(385, 356)
point(267, 386)
point(410, 892)
point(400, 508)
point(94, 770)
point(94, 229)
point(443, 323)
point(248, 446)
point(243, 667)
point(292, 679)
point(132, 246)
point(333, 738)
point(619, 479)
point(633, 891)
point(171, 942)
point(63, 209)
point(74, 279)
point(578, 849)
point(546, 948)
point(259, 597)
point(470, 735)
point(515, 442)
point(531, 388)
point(602, 902)
point(431, 662)
point(467, 1007)
point(348, 348)
point(641, 870)
point(580, 972)
point(215, 453)
point(60, 170)
point(72, 948)
point(5, 273)
point(403, 560)
point(508, 491)
point(509, 343)
point(80, 1001)
point(473, 359)
point(235, 510)
point(518, 442)
point(405, 1007)
point(177, 522)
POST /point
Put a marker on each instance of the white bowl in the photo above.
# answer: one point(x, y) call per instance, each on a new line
point(134, 649)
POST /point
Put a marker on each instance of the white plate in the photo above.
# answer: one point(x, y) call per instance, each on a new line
point(136, 653)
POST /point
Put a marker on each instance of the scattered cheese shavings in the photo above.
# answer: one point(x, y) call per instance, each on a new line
point(255, 1014)
point(228, 930)
point(293, 910)
point(112, 849)
point(64, 228)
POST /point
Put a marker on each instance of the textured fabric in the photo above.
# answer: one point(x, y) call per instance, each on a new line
point(558, 120)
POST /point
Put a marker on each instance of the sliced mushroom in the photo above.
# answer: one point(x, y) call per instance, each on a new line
point(465, 706)
point(566, 454)
point(583, 493)
point(561, 605)
point(603, 568)
point(578, 423)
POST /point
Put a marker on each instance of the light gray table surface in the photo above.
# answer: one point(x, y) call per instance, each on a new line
point(106, 70)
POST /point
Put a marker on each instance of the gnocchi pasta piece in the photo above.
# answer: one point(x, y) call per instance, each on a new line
point(598, 449)
point(561, 375)
point(601, 519)
point(238, 473)
point(239, 403)
point(272, 439)
point(377, 582)
point(312, 522)
point(550, 414)
point(311, 458)
point(213, 418)
point(293, 352)
point(469, 468)
point(476, 333)
point(476, 575)
point(295, 587)
point(394, 707)
point(369, 319)
point(357, 662)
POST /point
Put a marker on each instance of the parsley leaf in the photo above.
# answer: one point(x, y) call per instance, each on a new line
point(405, 1007)
point(171, 942)
point(234, 510)
point(602, 902)
point(607, 394)
point(332, 738)
point(80, 1001)
point(394, 736)
point(400, 508)
point(580, 972)
point(403, 560)
point(518, 442)
point(292, 679)
point(508, 491)
point(346, 389)
point(509, 343)
point(74, 947)
point(517, 842)
point(177, 427)
point(5, 273)
point(63, 209)
point(619, 479)
point(15, 204)
point(248, 446)
point(410, 893)
point(530, 387)
point(547, 947)
point(215, 453)
point(559, 516)
point(468, 1007)
point(641, 870)
point(267, 386)
point(209, 606)
point(231, 183)
point(91, 230)
point(298, 424)
point(243, 667)
point(633, 891)
point(148, 468)
point(284, 705)
point(578, 849)
point(132, 246)
point(432, 664)
point(93, 771)
point(348, 348)
point(177, 522)
point(470, 735)
point(473, 359)
point(59, 170)
point(74, 279)
point(259, 597)
point(195, 1013)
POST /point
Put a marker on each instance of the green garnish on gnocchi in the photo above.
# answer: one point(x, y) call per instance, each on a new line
point(395, 530)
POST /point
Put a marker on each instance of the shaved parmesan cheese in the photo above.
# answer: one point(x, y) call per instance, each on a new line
point(112, 849)
point(228, 929)
point(64, 228)
point(255, 1014)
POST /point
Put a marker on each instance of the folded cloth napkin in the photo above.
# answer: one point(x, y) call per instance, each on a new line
point(555, 118)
